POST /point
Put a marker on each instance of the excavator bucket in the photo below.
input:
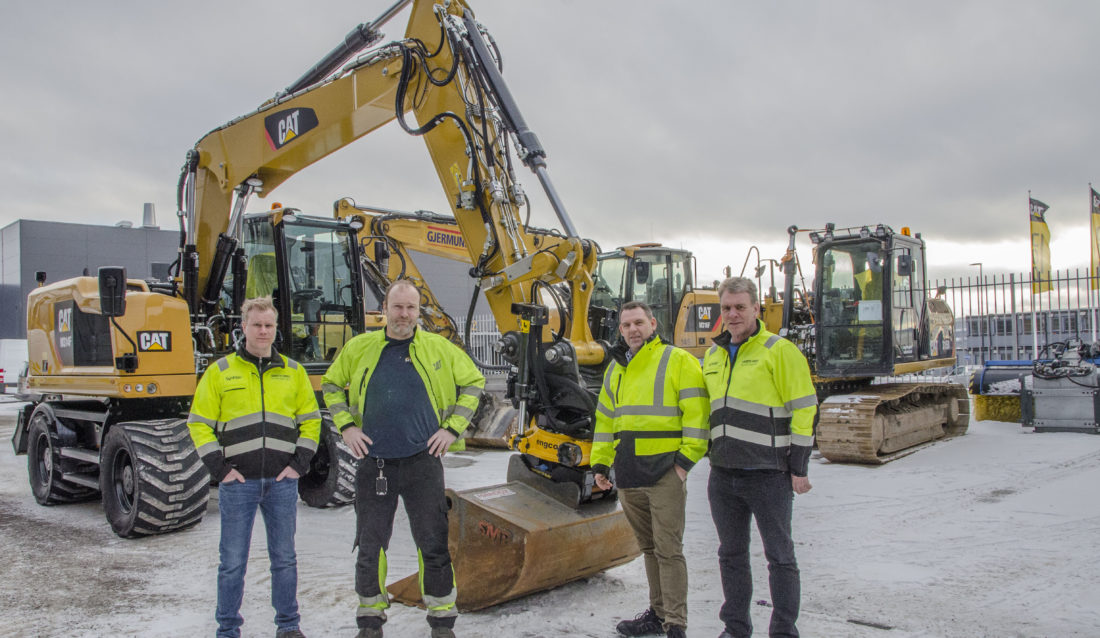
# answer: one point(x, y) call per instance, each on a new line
point(509, 540)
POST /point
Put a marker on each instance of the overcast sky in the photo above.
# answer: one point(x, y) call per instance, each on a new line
point(711, 124)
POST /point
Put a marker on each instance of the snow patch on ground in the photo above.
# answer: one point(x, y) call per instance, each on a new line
point(989, 534)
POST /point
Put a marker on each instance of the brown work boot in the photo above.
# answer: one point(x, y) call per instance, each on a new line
point(644, 624)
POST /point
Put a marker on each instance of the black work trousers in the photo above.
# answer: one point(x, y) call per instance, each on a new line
point(736, 497)
point(418, 480)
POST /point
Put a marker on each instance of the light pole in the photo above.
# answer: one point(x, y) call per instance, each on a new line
point(981, 315)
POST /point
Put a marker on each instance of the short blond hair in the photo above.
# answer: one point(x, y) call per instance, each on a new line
point(258, 304)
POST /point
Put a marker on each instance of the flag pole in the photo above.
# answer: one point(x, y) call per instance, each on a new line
point(1093, 266)
point(1034, 316)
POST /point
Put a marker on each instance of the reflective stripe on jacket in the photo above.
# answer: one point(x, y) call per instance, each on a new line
point(453, 382)
point(256, 423)
point(762, 407)
point(652, 414)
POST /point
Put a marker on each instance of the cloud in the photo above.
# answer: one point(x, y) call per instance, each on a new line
point(724, 120)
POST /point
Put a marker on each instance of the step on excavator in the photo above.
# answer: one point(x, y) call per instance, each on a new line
point(869, 316)
point(114, 361)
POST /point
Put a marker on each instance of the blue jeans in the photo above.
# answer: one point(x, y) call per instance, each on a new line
point(736, 498)
point(278, 501)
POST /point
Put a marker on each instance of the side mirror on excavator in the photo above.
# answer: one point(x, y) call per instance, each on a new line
point(112, 303)
point(641, 272)
point(112, 291)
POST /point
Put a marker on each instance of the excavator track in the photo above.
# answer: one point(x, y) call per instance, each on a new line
point(881, 423)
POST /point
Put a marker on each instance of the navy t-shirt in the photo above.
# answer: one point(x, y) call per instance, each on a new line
point(397, 413)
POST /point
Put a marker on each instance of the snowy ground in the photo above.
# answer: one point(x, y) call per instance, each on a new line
point(993, 534)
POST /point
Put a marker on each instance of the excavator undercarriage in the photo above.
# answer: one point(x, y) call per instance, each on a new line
point(882, 423)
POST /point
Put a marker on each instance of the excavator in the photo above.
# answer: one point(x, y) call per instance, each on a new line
point(868, 316)
point(114, 361)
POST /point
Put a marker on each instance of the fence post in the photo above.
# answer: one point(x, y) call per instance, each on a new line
point(1015, 327)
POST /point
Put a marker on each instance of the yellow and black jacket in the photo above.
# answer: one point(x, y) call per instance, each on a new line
point(453, 382)
point(651, 415)
point(762, 406)
point(255, 415)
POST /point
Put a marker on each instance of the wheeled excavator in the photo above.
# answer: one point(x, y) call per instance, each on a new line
point(114, 362)
point(869, 316)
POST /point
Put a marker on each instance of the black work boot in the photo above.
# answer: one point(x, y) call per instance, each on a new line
point(644, 624)
point(675, 631)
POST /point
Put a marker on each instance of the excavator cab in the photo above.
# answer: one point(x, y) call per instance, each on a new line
point(870, 303)
point(663, 279)
point(309, 266)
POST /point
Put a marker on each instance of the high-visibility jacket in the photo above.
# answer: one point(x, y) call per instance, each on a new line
point(762, 406)
point(651, 415)
point(255, 415)
point(453, 382)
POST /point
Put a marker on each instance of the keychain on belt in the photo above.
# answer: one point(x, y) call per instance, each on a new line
point(380, 482)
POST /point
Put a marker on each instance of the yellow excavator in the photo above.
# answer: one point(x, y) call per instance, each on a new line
point(114, 361)
point(869, 316)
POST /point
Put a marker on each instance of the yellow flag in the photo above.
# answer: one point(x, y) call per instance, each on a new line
point(1095, 224)
point(1040, 248)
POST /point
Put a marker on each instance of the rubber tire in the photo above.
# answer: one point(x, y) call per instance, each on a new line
point(330, 481)
point(152, 478)
point(44, 465)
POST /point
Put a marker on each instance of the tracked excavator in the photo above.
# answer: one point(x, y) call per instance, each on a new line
point(114, 362)
point(869, 316)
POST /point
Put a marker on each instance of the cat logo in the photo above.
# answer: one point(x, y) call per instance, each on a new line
point(285, 126)
point(154, 341)
point(703, 312)
point(65, 320)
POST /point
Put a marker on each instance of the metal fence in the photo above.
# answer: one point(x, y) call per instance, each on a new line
point(483, 338)
point(995, 315)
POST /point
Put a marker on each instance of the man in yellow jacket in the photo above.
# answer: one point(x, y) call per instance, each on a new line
point(762, 407)
point(651, 426)
point(400, 397)
point(256, 424)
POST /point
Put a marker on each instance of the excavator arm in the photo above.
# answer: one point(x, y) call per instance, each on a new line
point(442, 74)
